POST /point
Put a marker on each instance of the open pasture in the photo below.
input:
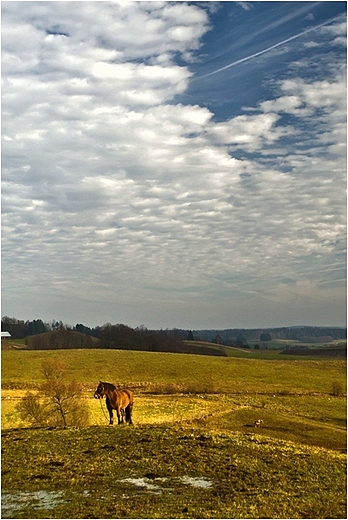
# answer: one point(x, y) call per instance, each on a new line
point(165, 372)
point(167, 471)
point(228, 393)
point(193, 451)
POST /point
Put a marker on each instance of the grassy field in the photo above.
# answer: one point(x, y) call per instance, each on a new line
point(166, 471)
point(274, 344)
point(266, 373)
point(193, 451)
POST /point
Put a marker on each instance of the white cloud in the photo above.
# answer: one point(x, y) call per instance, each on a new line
point(288, 104)
point(113, 188)
point(251, 132)
point(245, 5)
point(318, 94)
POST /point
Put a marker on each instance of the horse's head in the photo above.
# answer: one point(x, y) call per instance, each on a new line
point(99, 391)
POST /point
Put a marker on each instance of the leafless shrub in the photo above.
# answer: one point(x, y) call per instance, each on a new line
point(57, 403)
point(32, 410)
point(165, 388)
point(188, 388)
point(337, 389)
point(200, 388)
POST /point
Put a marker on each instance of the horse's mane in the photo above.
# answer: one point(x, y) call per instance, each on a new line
point(109, 386)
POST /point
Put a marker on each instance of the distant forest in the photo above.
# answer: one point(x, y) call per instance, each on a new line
point(306, 334)
point(56, 334)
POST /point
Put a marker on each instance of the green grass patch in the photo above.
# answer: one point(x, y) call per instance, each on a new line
point(313, 420)
point(167, 472)
point(193, 452)
point(222, 375)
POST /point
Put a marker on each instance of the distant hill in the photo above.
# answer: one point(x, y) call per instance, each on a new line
point(306, 334)
point(321, 352)
point(61, 339)
point(129, 340)
point(38, 335)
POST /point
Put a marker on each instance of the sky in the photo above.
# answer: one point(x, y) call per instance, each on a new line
point(174, 164)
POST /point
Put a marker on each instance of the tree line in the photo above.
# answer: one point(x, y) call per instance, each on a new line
point(231, 336)
point(20, 329)
point(56, 335)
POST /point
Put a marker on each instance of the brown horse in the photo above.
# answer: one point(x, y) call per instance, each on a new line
point(119, 400)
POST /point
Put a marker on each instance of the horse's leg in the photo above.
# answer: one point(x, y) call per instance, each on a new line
point(109, 407)
point(119, 414)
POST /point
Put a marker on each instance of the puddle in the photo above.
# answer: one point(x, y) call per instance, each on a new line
point(12, 502)
point(144, 483)
point(197, 482)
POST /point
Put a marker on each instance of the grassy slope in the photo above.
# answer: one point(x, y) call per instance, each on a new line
point(292, 467)
point(249, 477)
point(271, 348)
point(228, 375)
point(292, 395)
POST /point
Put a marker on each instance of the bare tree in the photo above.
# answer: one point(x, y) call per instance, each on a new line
point(58, 401)
point(32, 410)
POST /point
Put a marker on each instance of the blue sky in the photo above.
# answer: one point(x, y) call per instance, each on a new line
point(174, 164)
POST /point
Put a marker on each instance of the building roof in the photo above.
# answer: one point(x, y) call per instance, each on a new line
point(5, 334)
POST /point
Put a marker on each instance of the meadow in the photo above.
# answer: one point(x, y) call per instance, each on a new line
point(193, 451)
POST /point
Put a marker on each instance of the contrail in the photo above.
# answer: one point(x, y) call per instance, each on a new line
point(247, 58)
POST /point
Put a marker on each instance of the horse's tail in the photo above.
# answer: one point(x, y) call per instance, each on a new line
point(128, 414)
point(129, 408)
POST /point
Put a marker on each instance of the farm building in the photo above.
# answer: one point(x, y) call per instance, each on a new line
point(5, 335)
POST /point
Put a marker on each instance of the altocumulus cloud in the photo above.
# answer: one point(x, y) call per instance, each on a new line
point(122, 203)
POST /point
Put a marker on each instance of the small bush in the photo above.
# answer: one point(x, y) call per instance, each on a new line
point(58, 403)
point(171, 388)
point(163, 388)
point(31, 410)
point(200, 388)
point(337, 389)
